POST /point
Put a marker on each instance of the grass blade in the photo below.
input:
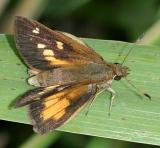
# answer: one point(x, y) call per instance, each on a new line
point(132, 119)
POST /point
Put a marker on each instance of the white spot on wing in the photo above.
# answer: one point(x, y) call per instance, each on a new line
point(41, 45)
point(48, 52)
point(59, 45)
point(36, 31)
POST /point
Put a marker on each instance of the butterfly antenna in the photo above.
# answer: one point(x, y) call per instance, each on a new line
point(120, 53)
point(89, 106)
point(142, 94)
point(137, 41)
point(127, 55)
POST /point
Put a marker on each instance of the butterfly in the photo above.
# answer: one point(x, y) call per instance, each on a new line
point(66, 72)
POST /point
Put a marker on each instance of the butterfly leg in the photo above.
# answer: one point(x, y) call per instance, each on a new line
point(113, 95)
point(91, 101)
point(89, 105)
point(99, 90)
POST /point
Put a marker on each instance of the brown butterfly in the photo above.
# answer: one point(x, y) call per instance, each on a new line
point(67, 73)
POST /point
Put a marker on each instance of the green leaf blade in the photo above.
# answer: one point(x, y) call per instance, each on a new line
point(132, 118)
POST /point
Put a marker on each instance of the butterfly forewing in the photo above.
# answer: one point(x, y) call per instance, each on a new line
point(43, 49)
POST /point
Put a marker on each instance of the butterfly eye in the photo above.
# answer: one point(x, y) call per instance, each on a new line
point(117, 78)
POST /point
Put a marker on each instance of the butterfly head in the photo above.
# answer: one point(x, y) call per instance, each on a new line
point(119, 71)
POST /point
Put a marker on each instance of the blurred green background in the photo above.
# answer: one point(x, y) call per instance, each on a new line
point(124, 20)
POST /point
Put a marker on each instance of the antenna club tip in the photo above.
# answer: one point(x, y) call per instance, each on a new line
point(147, 95)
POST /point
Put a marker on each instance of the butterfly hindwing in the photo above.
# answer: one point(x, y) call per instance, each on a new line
point(53, 110)
point(44, 49)
point(38, 94)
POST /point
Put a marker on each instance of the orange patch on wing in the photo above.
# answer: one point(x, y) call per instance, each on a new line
point(54, 109)
point(57, 95)
point(51, 102)
point(59, 115)
point(76, 92)
point(55, 61)
point(50, 57)
point(54, 106)
point(71, 93)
